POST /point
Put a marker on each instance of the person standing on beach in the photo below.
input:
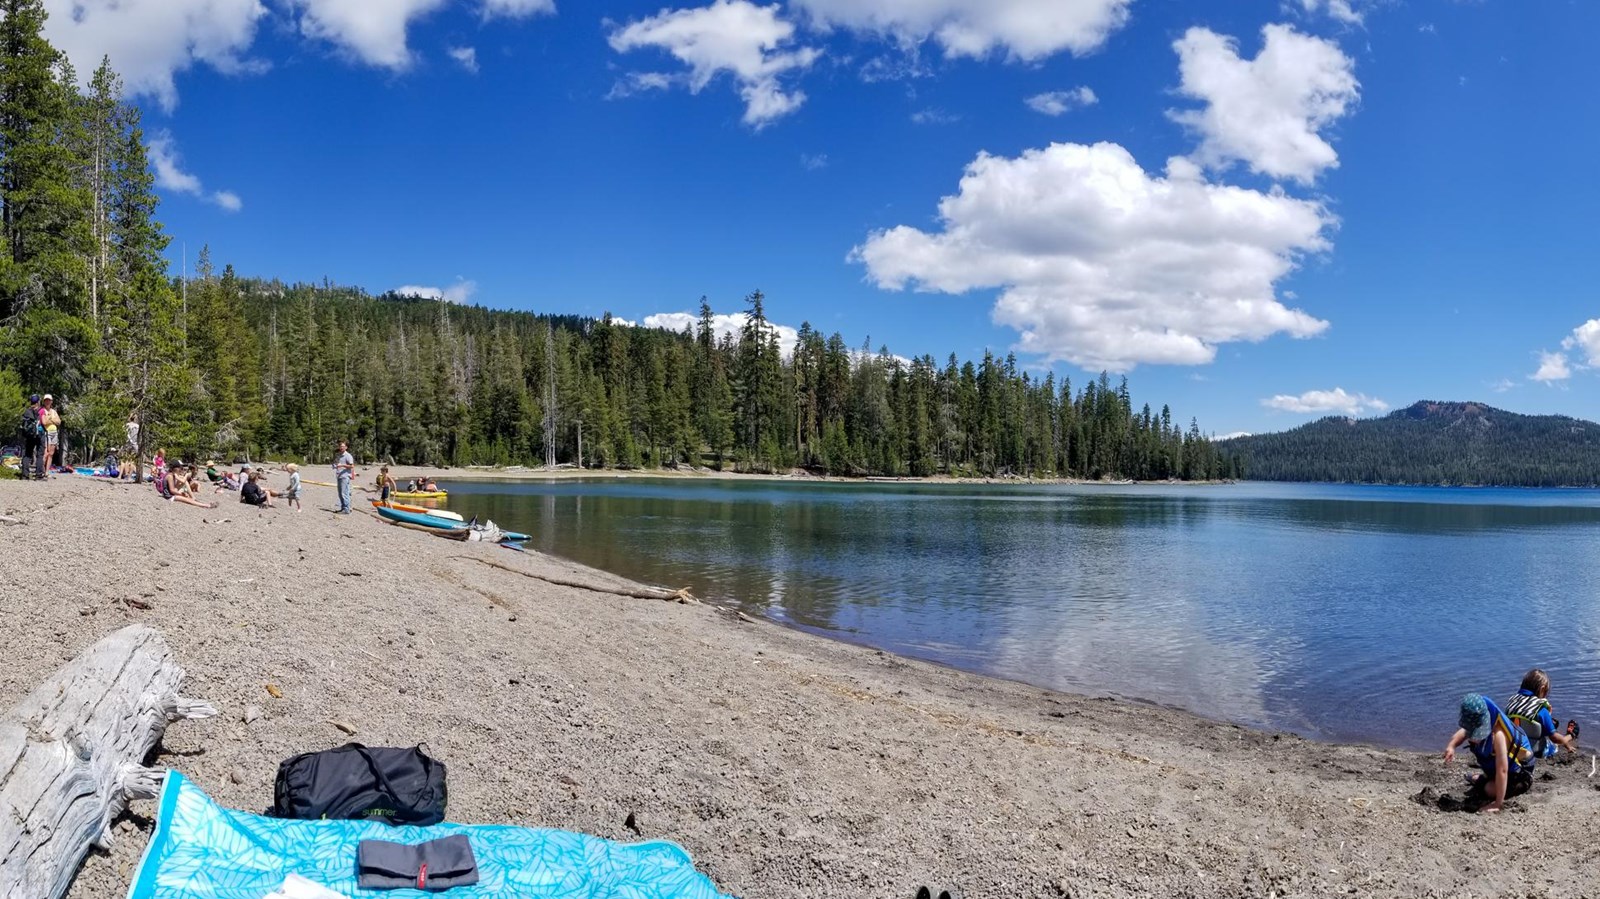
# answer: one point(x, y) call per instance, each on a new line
point(50, 421)
point(386, 485)
point(292, 495)
point(130, 458)
point(32, 441)
point(344, 469)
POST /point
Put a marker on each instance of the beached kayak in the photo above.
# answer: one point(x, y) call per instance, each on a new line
point(437, 494)
point(420, 520)
point(420, 510)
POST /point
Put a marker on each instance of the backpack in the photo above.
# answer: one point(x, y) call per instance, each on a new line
point(29, 425)
point(355, 782)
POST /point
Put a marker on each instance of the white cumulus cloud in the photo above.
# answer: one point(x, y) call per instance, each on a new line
point(517, 9)
point(1326, 402)
point(1579, 350)
point(466, 57)
point(171, 176)
point(1585, 337)
point(1103, 264)
point(1339, 10)
point(458, 293)
point(1026, 30)
point(374, 31)
point(751, 44)
point(731, 323)
point(1054, 103)
point(1552, 367)
point(150, 41)
point(1266, 112)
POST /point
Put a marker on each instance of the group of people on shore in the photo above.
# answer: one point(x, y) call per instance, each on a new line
point(41, 449)
point(180, 482)
point(1507, 741)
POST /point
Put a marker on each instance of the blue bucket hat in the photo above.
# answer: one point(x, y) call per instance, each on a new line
point(1475, 717)
point(34, 399)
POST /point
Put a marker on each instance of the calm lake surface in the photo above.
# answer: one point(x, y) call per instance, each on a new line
point(1338, 612)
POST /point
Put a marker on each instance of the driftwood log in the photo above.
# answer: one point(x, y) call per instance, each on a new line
point(682, 596)
point(72, 754)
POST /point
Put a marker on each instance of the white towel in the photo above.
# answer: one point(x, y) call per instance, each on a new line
point(297, 887)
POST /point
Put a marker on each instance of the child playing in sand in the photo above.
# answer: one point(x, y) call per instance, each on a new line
point(1530, 710)
point(1501, 748)
point(291, 496)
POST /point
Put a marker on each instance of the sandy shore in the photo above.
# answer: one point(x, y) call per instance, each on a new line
point(788, 765)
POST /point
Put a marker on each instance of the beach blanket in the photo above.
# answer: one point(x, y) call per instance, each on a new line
point(201, 850)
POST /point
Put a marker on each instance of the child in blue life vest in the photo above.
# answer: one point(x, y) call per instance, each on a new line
point(1530, 710)
point(1501, 748)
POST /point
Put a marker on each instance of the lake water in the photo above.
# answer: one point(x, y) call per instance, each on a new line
point(1337, 612)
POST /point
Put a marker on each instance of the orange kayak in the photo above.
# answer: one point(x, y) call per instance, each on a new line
point(419, 510)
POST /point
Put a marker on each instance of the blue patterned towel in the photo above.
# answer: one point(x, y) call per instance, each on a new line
point(201, 850)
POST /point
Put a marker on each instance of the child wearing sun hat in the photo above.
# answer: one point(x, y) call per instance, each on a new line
point(1501, 748)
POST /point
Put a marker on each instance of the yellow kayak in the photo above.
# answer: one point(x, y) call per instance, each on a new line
point(419, 510)
point(438, 494)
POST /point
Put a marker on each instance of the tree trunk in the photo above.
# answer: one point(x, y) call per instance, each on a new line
point(71, 757)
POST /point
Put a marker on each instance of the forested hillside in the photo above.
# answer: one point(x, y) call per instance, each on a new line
point(220, 364)
point(1429, 443)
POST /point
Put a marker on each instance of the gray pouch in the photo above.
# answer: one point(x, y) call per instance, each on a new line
point(436, 865)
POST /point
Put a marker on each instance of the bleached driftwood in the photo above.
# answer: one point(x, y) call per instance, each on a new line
point(72, 753)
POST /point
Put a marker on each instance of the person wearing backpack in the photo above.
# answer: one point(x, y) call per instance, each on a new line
point(1530, 710)
point(32, 441)
point(1501, 749)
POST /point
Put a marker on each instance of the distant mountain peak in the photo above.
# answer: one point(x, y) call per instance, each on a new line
point(1449, 409)
point(1430, 442)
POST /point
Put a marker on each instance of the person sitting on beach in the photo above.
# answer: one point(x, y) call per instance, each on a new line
point(1530, 710)
point(176, 488)
point(1501, 748)
point(254, 494)
point(211, 473)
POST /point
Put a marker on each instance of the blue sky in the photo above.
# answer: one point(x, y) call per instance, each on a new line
point(1262, 212)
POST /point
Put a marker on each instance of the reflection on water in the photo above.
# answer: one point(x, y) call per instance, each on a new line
point(1359, 613)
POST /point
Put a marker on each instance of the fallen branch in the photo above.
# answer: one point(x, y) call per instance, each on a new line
point(679, 596)
point(72, 753)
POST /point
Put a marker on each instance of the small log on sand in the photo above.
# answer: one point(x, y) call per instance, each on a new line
point(72, 753)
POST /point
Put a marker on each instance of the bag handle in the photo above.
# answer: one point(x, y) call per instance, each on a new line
point(377, 772)
point(428, 763)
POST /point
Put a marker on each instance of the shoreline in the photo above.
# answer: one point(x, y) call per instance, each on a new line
point(788, 764)
point(366, 472)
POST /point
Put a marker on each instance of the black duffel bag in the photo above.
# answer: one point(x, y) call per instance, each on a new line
point(355, 782)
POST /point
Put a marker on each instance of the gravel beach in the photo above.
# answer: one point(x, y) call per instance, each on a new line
point(788, 765)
